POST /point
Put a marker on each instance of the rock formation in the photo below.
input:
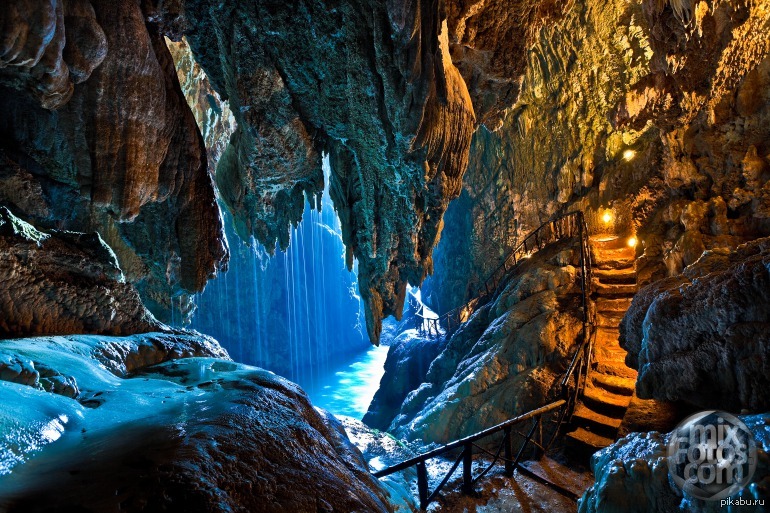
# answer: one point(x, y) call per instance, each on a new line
point(632, 477)
point(505, 360)
point(212, 114)
point(95, 135)
point(195, 434)
point(406, 366)
point(701, 337)
point(377, 90)
point(63, 283)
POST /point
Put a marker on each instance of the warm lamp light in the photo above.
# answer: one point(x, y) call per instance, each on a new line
point(607, 217)
point(629, 155)
point(632, 242)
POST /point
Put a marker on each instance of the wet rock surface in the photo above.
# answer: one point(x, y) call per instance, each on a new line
point(194, 434)
point(632, 476)
point(406, 366)
point(506, 359)
point(61, 283)
point(701, 337)
point(119, 152)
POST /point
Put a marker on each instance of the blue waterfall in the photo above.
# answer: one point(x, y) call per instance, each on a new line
point(296, 313)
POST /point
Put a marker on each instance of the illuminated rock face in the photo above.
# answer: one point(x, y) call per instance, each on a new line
point(690, 100)
point(702, 337)
point(506, 360)
point(63, 283)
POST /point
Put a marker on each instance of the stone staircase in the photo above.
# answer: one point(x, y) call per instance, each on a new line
point(610, 383)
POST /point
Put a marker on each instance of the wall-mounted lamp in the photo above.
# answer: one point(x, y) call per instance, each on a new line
point(629, 155)
point(632, 242)
point(607, 216)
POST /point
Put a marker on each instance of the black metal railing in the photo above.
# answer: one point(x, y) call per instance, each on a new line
point(467, 445)
point(570, 386)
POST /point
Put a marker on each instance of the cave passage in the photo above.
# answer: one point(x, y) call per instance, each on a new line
point(297, 313)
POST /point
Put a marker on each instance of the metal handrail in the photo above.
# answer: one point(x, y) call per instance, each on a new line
point(466, 456)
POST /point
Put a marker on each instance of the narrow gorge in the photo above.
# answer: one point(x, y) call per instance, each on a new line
point(356, 256)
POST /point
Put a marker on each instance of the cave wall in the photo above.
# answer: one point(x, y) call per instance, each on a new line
point(686, 91)
point(95, 135)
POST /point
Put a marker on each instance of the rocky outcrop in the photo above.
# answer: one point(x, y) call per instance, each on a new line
point(489, 44)
point(701, 337)
point(506, 359)
point(632, 477)
point(195, 434)
point(382, 450)
point(119, 152)
point(213, 115)
point(48, 47)
point(61, 283)
point(119, 355)
point(406, 366)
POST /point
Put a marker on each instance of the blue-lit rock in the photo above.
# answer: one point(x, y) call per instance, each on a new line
point(190, 434)
point(506, 359)
point(632, 477)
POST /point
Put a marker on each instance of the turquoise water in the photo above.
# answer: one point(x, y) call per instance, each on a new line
point(351, 385)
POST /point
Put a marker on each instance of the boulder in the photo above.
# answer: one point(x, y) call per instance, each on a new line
point(409, 357)
point(632, 476)
point(63, 282)
point(702, 337)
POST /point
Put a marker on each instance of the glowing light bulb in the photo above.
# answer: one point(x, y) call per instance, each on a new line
point(629, 155)
point(632, 242)
point(607, 217)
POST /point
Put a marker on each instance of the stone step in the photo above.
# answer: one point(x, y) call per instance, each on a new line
point(621, 253)
point(604, 242)
point(607, 336)
point(614, 289)
point(620, 276)
point(582, 436)
point(615, 384)
point(613, 368)
point(612, 305)
point(604, 424)
point(604, 401)
point(610, 353)
point(609, 319)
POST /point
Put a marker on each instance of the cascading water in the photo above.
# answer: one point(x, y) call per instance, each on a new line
point(297, 313)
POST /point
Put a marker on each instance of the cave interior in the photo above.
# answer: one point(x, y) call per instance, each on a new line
point(360, 256)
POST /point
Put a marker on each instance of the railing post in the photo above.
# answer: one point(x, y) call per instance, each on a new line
point(526, 442)
point(422, 484)
point(467, 468)
point(508, 452)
